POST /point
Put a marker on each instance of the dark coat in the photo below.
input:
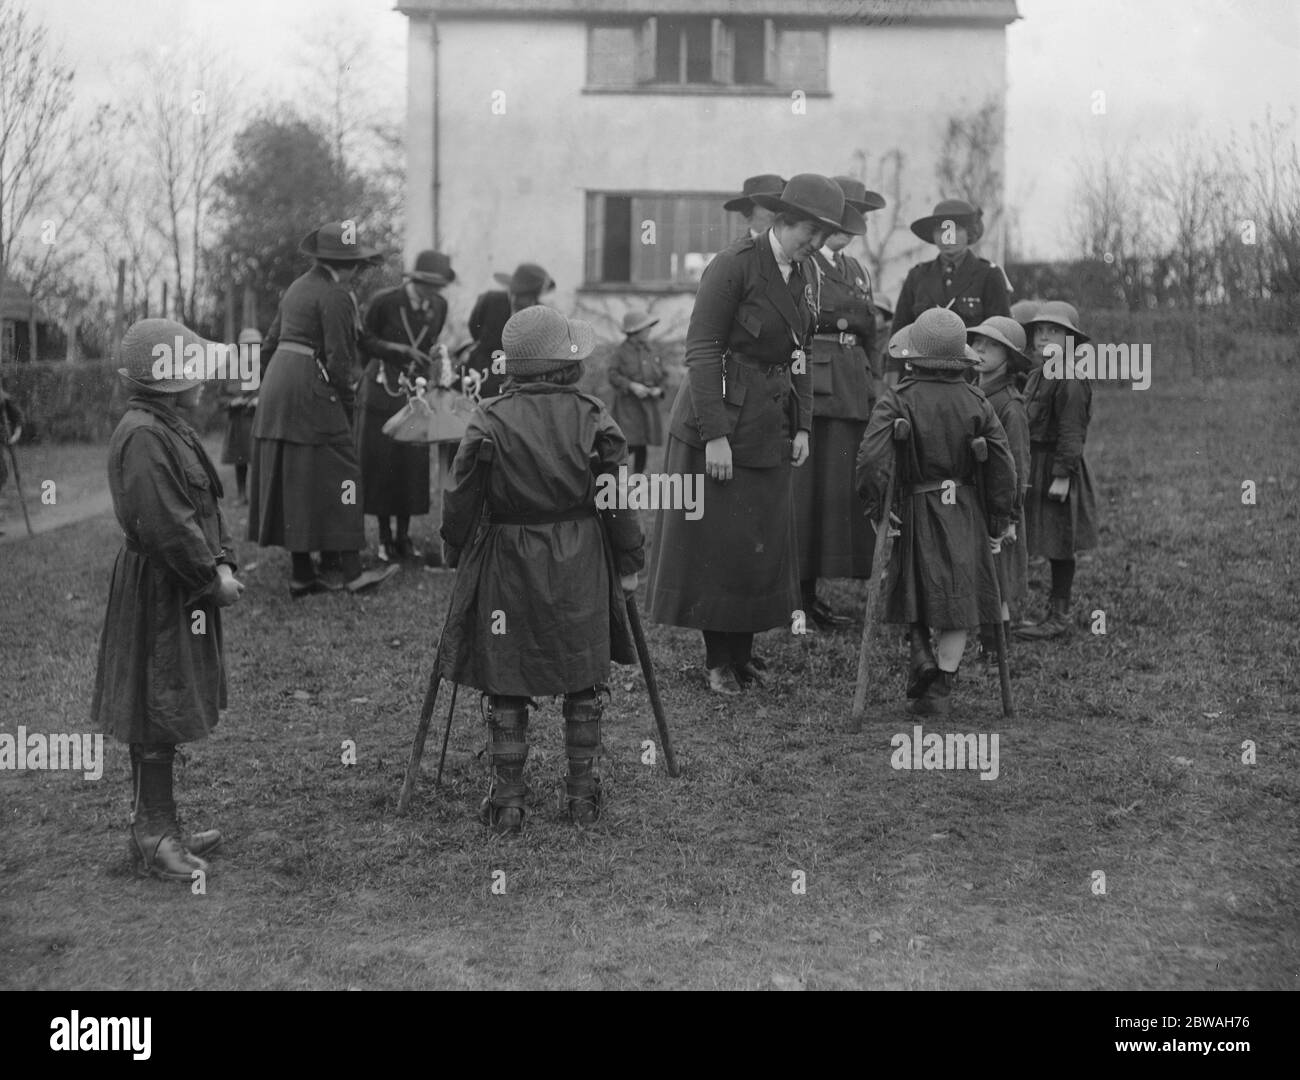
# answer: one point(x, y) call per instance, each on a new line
point(538, 608)
point(745, 321)
point(640, 419)
point(941, 569)
point(1013, 560)
point(488, 318)
point(158, 680)
point(394, 476)
point(974, 288)
point(1059, 411)
point(734, 569)
point(842, 383)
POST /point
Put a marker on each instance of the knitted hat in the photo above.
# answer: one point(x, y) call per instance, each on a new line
point(1010, 335)
point(539, 340)
point(1059, 313)
point(959, 212)
point(937, 342)
point(156, 347)
point(635, 319)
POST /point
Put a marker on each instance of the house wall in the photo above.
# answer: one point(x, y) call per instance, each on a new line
point(513, 185)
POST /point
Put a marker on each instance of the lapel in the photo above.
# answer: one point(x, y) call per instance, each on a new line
point(777, 289)
point(962, 273)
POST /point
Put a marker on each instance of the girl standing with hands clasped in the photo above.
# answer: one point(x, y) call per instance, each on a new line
point(742, 419)
point(637, 375)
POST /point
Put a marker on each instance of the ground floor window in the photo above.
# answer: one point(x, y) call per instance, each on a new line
point(656, 239)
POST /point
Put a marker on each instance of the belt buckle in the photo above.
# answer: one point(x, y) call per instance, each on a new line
point(848, 339)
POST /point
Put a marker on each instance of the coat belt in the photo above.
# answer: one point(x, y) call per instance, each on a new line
point(295, 347)
point(932, 485)
point(576, 514)
point(842, 339)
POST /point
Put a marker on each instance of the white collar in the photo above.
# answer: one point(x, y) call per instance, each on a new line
point(783, 261)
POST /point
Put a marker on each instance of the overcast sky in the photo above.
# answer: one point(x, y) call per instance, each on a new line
point(1164, 65)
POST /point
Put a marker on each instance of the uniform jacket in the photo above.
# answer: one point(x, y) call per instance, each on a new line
point(842, 382)
point(159, 664)
point(391, 320)
point(1010, 409)
point(1059, 411)
point(486, 321)
point(296, 402)
point(975, 290)
point(637, 361)
point(941, 570)
point(746, 323)
point(555, 584)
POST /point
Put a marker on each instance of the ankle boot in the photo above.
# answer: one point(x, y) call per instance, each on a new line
point(503, 809)
point(1055, 625)
point(988, 661)
point(582, 744)
point(157, 846)
point(922, 667)
point(936, 701)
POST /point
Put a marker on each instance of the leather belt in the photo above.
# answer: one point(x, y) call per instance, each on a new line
point(932, 485)
point(576, 514)
point(295, 347)
point(768, 369)
point(842, 339)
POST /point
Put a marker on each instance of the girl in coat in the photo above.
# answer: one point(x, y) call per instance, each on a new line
point(1060, 507)
point(161, 677)
point(999, 342)
point(637, 376)
point(537, 608)
point(742, 420)
point(941, 575)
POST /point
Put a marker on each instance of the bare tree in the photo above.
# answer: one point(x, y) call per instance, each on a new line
point(883, 226)
point(969, 165)
point(1110, 222)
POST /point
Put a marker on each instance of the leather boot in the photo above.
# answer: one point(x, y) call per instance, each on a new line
point(157, 846)
point(1057, 623)
point(582, 744)
point(936, 701)
point(923, 668)
point(503, 809)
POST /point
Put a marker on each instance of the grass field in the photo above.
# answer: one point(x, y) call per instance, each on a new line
point(1126, 758)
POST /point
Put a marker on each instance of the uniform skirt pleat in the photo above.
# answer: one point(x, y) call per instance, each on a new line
point(298, 499)
point(834, 537)
point(735, 568)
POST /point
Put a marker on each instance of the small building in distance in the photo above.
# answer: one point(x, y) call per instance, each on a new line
point(601, 137)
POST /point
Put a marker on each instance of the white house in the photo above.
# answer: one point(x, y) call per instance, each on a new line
point(600, 137)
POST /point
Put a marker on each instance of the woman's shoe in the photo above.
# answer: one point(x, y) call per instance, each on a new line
point(722, 680)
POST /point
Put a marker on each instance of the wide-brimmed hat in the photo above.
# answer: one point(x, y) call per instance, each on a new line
point(1010, 335)
point(1023, 311)
point(959, 212)
point(142, 359)
point(634, 320)
point(327, 244)
point(767, 184)
point(936, 341)
point(250, 335)
point(539, 340)
point(817, 197)
point(1059, 313)
point(858, 196)
point(527, 278)
point(432, 268)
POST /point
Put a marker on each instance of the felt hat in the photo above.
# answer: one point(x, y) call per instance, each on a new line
point(767, 184)
point(857, 195)
point(936, 342)
point(959, 212)
point(329, 245)
point(634, 320)
point(432, 268)
point(539, 340)
point(1010, 335)
point(250, 335)
point(817, 197)
point(1059, 313)
point(527, 278)
point(143, 360)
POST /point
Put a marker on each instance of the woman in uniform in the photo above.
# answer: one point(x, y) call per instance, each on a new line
point(742, 418)
point(305, 481)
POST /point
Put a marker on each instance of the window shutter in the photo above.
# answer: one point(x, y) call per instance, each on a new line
point(646, 40)
point(770, 67)
point(595, 236)
point(723, 54)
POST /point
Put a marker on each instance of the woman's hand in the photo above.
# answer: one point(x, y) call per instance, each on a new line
point(717, 459)
point(799, 451)
point(229, 588)
point(1060, 489)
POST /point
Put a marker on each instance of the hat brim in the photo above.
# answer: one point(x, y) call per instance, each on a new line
point(1078, 334)
point(361, 254)
point(923, 228)
point(643, 325)
point(873, 201)
point(742, 205)
point(163, 386)
point(430, 278)
point(1017, 359)
point(515, 286)
point(776, 205)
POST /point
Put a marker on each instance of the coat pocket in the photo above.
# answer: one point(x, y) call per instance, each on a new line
point(750, 322)
point(822, 381)
point(196, 476)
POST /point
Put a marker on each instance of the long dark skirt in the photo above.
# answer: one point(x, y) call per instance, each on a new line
point(835, 539)
point(1057, 530)
point(734, 568)
point(298, 497)
point(394, 476)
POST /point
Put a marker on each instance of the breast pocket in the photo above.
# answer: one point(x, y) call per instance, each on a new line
point(751, 322)
point(822, 381)
point(970, 308)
